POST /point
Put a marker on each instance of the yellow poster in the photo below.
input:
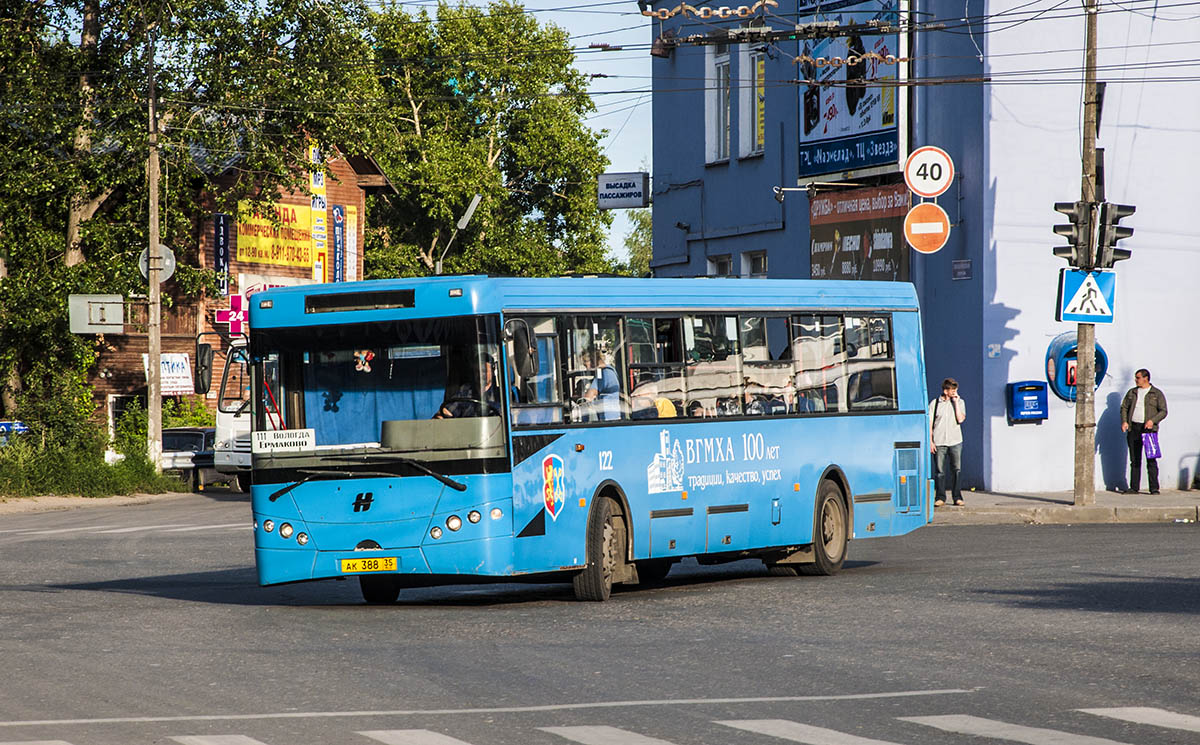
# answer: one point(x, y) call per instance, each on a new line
point(282, 236)
point(319, 209)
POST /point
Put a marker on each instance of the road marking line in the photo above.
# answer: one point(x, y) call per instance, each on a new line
point(242, 524)
point(411, 737)
point(37, 742)
point(969, 725)
point(1148, 715)
point(217, 740)
point(602, 735)
point(494, 710)
point(61, 530)
point(796, 732)
point(140, 527)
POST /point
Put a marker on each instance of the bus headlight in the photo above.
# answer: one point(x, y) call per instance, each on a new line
point(497, 513)
point(454, 522)
point(302, 539)
point(285, 530)
point(268, 525)
point(436, 532)
point(473, 516)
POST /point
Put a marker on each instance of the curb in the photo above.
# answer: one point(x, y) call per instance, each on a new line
point(1067, 515)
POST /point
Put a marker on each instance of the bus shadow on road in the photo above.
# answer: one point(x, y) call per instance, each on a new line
point(1109, 594)
point(239, 586)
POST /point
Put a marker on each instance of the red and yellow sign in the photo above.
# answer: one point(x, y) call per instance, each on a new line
point(282, 237)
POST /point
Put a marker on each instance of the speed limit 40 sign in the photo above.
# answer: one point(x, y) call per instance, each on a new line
point(928, 171)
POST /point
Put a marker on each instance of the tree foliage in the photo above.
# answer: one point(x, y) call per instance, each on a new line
point(638, 242)
point(484, 101)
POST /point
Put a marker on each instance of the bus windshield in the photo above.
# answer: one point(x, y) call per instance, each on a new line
point(426, 387)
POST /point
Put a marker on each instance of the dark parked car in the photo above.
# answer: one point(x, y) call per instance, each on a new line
point(188, 451)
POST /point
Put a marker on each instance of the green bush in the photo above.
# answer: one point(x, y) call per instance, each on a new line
point(186, 411)
point(36, 464)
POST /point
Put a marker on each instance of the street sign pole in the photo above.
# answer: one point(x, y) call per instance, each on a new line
point(1085, 398)
point(154, 314)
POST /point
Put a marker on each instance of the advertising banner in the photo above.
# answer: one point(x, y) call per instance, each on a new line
point(221, 251)
point(319, 204)
point(175, 374)
point(859, 234)
point(351, 243)
point(282, 237)
point(339, 244)
point(844, 126)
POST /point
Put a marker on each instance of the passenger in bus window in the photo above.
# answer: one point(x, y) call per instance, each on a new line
point(468, 400)
point(605, 388)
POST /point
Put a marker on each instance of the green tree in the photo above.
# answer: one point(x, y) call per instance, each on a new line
point(484, 101)
point(638, 242)
point(243, 87)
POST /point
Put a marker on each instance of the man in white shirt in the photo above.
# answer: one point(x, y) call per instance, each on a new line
point(946, 415)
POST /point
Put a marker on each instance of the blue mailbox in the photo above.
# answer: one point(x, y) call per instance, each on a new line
point(1027, 401)
point(1061, 359)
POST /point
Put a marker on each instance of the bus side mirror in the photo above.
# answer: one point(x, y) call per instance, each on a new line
point(202, 376)
point(525, 360)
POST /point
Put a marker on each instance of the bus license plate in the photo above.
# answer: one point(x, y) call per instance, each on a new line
point(373, 564)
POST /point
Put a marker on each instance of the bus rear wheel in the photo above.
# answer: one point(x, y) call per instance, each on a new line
point(831, 532)
point(605, 552)
point(378, 589)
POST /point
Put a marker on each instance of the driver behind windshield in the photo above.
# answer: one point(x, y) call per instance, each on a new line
point(468, 401)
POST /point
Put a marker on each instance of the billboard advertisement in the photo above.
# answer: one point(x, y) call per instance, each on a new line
point(846, 126)
point(282, 236)
point(859, 234)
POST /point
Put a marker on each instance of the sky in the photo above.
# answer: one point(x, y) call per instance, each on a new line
point(626, 116)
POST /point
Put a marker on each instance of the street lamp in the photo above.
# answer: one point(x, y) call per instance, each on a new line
point(462, 224)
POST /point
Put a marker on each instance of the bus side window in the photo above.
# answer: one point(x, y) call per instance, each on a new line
point(535, 399)
point(871, 370)
point(656, 387)
point(768, 388)
point(820, 362)
point(713, 368)
point(595, 379)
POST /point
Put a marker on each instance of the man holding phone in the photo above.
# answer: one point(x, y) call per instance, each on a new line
point(946, 415)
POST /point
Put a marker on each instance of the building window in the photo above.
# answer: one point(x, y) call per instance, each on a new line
point(717, 103)
point(720, 266)
point(752, 103)
point(755, 264)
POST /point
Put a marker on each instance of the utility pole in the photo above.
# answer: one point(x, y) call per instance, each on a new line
point(154, 313)
point(1085, 371)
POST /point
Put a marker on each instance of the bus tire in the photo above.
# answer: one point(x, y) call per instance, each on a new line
point(782, 570)
point(379, 589)
point(605, 552)
point(831, 532)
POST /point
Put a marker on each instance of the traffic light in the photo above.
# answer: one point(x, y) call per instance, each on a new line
point(1110, 232)
point(1077, 252)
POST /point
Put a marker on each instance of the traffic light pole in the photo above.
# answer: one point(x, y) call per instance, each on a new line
point(1085, 370)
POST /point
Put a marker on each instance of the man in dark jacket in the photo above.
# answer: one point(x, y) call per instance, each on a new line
point(1143, 408)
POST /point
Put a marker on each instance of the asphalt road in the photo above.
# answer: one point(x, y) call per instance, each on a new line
point(145, 625)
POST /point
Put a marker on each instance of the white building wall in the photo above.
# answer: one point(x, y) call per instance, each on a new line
point(1151, 134)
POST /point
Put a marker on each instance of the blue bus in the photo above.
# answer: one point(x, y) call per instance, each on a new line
point(593, 430)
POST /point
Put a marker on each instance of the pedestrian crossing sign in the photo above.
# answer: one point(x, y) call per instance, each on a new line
point(1085, 297)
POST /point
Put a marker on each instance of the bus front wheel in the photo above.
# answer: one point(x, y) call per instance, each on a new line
point(831, 532)
point(605, 552)
point(378, 589)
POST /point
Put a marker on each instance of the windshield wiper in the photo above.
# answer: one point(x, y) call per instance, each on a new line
point(420, 465)
point(309, 475)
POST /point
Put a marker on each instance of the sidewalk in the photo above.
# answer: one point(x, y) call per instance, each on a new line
point(1058, 508)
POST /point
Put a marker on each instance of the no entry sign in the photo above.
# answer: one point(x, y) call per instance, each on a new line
point(927, 228)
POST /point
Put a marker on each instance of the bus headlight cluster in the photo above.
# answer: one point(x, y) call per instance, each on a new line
point(454, 523)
